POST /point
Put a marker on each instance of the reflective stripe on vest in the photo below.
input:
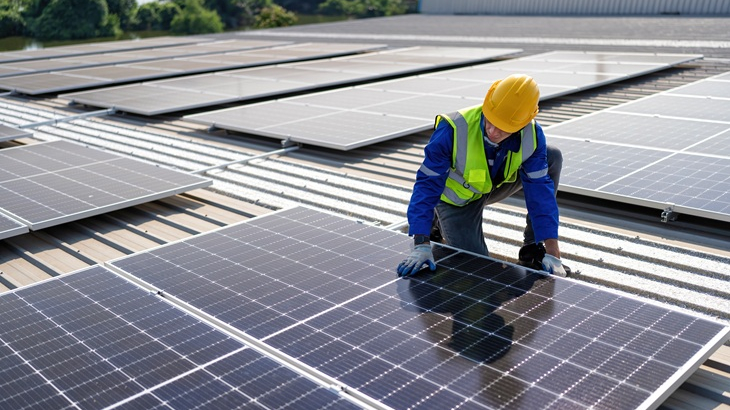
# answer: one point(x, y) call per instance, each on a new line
point(469, 158)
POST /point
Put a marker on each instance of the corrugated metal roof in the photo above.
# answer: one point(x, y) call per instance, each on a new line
point(683, 263)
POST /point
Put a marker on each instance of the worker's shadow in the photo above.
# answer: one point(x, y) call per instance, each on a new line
point(478, 331)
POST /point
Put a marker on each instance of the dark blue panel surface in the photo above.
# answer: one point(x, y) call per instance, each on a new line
point(92, 340)
point(475, 333)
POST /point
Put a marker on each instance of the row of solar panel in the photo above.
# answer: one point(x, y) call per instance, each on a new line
point(320, 291)
point(47, 184)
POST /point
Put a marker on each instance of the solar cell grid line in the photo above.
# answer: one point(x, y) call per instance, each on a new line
point(8, 133)
point(132, 56)
point(251, 83)
point(353, 126)
point(93, 340)
point(96, 48)
point(50, 183)
point(276, 52)
point(320, 289)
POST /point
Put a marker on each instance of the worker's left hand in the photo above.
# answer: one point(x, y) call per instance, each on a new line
point(420, 255)
point(553, 265)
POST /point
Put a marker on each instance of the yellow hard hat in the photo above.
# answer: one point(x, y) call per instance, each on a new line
point(511, 103)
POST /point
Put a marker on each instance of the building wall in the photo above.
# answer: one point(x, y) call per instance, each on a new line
point(577, 7)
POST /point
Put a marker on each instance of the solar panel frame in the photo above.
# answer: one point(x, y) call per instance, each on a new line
point(357, 325)
point(51, 183)
point(8, 133)
point(256, 83)
point(91, 339)
point(555, 72)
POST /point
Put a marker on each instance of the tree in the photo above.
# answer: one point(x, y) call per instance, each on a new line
point(274, 16)
point(366, 8)
point(11, 23)
point(75, 19)
point(148, 17)
point(168, 11)
point(124, 10)
point(196, 19)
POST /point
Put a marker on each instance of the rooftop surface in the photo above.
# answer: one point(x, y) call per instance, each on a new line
point(623, 248)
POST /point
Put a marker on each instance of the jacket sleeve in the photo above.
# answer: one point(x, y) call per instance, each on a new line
point(539, 191)
point(430, 180)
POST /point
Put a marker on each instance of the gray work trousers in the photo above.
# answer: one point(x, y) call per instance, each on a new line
point(461, 226)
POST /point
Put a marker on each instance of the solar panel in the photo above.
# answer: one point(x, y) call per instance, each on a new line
point(475, 333)
point(169, 67)
point(8, 133)
point(10, 227)
point(158, 53)
point(51, 183)
point(94, 340)
point(424, 96)
point(96, 48)
point(669, 150)
point(251, 83)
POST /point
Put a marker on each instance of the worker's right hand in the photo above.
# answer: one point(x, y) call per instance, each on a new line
point(420, 255)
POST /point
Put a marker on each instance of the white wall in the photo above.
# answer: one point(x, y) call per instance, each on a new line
point(577, 7)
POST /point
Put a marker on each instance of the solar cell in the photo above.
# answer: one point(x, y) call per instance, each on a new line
point(8, 133)
point(668, 150)
point(254, 83)
point(169, 67)
point(475, 333)
point(51, 183)
point(90, 339)
point(557, 73)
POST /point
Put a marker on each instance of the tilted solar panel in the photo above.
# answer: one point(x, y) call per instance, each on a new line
point(476, 333)
point(8, 133)
point(93, 340)
point(252, 83)
point(51, 183)
point(419, 99)
point(667, 151)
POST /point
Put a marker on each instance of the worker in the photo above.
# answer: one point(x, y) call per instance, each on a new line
point(478, 156)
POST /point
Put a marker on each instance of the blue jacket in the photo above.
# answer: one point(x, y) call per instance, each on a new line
point(539, 192)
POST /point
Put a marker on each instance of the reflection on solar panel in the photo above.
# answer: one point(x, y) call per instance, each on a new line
point(394, 108)
point(93, 340)
point(100, 76)
point(9, 133)
point(477, 332)
point(51, 183)
point(179, 94)
point(671, 149)
point(158, 53)
point(97, 48)
point(10, 227)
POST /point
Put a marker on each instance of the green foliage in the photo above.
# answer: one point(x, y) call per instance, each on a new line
point(11, 23)
point(124, 10)
point(363, 8)
point(75, 19)
point(156, 15)
point(195, 19)
point(148, 17)
point(274, 16)
point(168, 11)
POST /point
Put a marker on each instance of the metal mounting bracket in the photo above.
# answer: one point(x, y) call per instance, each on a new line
point(669, 215)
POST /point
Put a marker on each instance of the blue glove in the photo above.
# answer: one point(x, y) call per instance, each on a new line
point(420, 255)
point(553, 265)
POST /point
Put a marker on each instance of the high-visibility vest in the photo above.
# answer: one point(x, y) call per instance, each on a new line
point(469, 176)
